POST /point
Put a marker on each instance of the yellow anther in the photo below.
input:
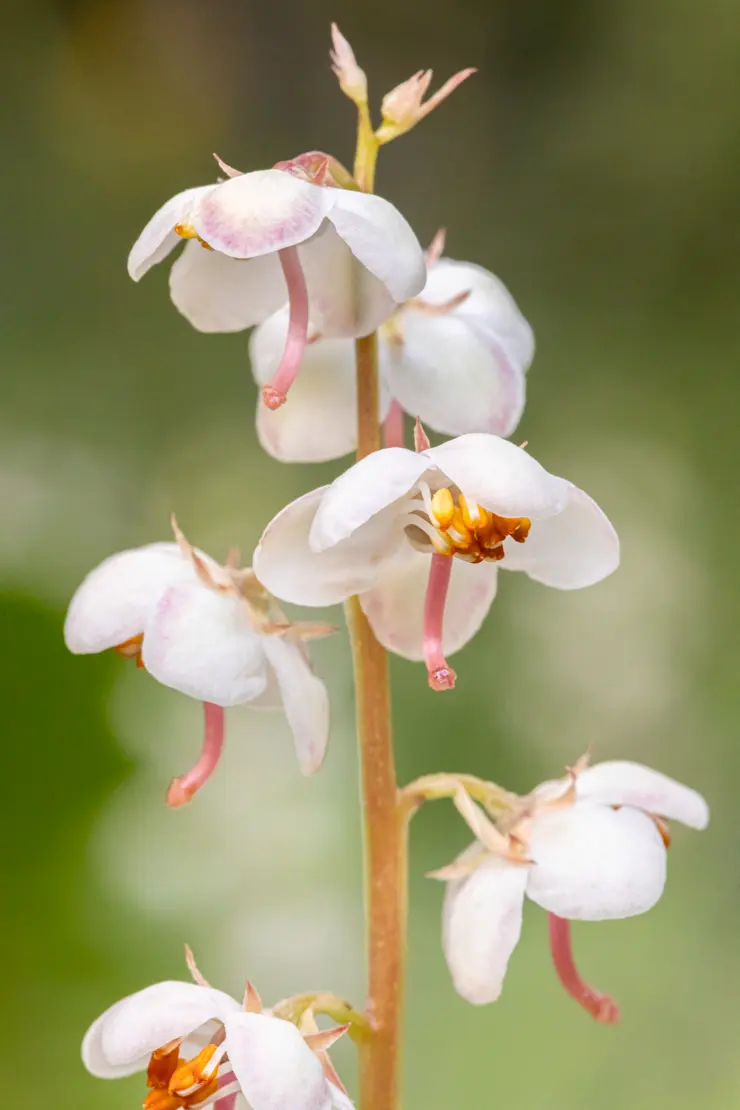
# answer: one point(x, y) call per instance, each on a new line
point(470, 531)
point(187, 231)
point(191, 1071)
point(472, 519)
point(443, 507)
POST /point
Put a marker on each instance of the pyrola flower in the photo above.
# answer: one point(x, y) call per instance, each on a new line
point(456, 356)
point(201, 1048)
point(588, 848)
point(344, 258)
point(211, 632)
point(419, 536)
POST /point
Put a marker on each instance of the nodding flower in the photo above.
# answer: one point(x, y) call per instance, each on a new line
point(300, 233)
point(420, 537)
point(456, 356)
point(210, 631)
point(592, 847)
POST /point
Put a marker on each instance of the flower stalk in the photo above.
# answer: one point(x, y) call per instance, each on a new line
point(385, 818)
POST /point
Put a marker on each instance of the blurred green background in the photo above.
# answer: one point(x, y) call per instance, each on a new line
point(593, 163)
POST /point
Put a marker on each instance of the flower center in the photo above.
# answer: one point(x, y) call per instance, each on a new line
point(176, 1083)
point(460, 527)
point(131, 649)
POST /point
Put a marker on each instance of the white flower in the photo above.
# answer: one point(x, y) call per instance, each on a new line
point(419, 537)
point(592, 849)
point(343, 257)
point(456, 357)
point(199, 1047)
point(209, 631)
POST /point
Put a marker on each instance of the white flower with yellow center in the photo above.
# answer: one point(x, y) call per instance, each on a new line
point(209, 631)
point(456, 356)
point(588, 848)
point(257, 240)
point(420, 536)
point(201, 1048)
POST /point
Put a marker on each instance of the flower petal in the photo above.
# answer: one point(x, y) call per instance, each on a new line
point(201, 642)
point(275, 1067)
point(345, 299)
point(319, 422)
point(383, 241)
point(621, 783)
point(305, 700)
point(216, 293)
point(481, 925)
point(576, 548)
point(368, 487)
point(292, 571)
point(114, 601)
point(395, 606)
point(489, 307)
point(159, 237)
point(122, 1039)
point(261, 212)
point(499, 476)
point(594, 863)
point(452, 378)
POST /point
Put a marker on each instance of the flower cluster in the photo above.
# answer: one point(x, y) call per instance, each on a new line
point(413, 540)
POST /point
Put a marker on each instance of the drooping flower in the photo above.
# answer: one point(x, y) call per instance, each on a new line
point(456, 356)
point(257, 240)
point(419, 536)
point(202, 1048)
point(588, 848)
point(209, 631)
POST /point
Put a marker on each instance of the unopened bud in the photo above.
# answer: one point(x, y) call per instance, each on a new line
point(352, 79)
point(403, 107)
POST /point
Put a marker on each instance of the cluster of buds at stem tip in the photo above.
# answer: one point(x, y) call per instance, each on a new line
point(401, 108)
point(210, 631)
point(590, 847)
point(199, 1048)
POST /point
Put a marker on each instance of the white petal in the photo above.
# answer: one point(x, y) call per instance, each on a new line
point(319, 420)
point(305, 700)
point(621, 783)
point(501, 477)
point(383, 241)
point(594, 863)
point(275, 1067)
point(454, 379)
point(114, 602)
point(345, 299)
point(158, 237)
point(339, 1099)
point(577, 548)
point(221, 294)
point(369, 486)
point(289, 569)
point(395, 606)
point(489, 308)
point(481, 925)
point(122, 1039)
point(261, 212)
point(201, 643)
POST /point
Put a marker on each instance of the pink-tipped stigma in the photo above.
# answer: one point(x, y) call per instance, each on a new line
point(600, 1006)
point(441, 676)
point(393, 430)
point(276, 393)
point(183, 788)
